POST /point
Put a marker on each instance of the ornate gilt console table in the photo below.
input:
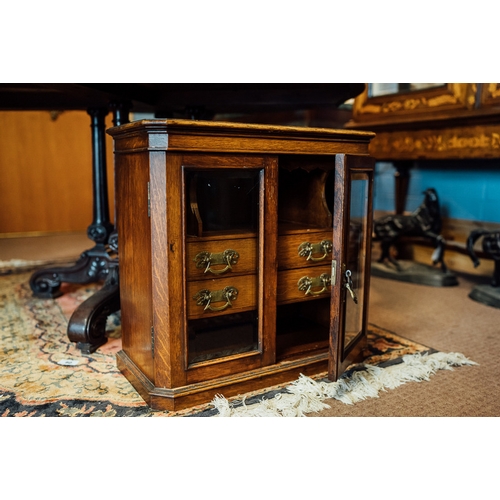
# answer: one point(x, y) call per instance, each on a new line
point(453, 121)
point(446, 121)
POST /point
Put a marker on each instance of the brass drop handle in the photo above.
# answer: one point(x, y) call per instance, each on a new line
point(206, 298)
point(206, 260)
point(307, 250)
point(305, 284)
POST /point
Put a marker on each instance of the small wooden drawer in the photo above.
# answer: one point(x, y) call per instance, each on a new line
point(304, 249)
point(221, 296)
point(212, 258)
point(314, 283)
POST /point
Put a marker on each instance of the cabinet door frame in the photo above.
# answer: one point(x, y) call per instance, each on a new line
point(345, 167)
point(265, 354)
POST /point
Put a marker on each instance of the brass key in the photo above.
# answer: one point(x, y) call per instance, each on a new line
point(348, 285)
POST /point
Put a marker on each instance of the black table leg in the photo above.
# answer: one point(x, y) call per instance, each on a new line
point(93, 265)
point(87, 325)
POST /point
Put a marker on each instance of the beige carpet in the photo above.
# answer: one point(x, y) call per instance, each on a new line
point(447, 320)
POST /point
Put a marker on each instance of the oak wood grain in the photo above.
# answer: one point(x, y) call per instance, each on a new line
point(168, 269)
point(192, 353)
point(236, 383)
point(340, 235)
point(246, 299)
point(245, 247)
point(289, 257)
point(209, 137)
point(134, 241)
point(288, 290)
point(268, 261)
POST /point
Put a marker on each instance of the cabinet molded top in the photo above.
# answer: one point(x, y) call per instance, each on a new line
point(213, 136)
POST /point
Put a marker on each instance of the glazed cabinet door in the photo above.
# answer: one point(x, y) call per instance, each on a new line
point(352, 222)
point(225, 199)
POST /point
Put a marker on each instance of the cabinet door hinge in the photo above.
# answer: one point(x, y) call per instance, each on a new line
point(334, 272)
point(149, 201)
point(153, 341)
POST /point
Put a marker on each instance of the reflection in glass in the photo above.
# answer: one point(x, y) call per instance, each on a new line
point(356, 257)
point(217, 337)
point(222, 201)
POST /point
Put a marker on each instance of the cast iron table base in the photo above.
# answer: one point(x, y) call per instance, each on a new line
point(87, 324)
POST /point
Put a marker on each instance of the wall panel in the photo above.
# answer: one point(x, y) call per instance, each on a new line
point(46, 171)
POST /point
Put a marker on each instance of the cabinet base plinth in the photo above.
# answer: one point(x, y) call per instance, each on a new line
point(180, 398)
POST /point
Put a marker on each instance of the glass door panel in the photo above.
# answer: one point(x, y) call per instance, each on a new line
point(354, 275)
point(222, 233)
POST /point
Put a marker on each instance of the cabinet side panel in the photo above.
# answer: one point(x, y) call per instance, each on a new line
point(134, 237)
point(167, 268)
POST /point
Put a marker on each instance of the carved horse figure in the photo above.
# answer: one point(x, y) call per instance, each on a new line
point(491, 247)
point(424, 221)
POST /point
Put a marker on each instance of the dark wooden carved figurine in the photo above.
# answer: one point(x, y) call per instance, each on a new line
point(491, 247)
point(425, 221)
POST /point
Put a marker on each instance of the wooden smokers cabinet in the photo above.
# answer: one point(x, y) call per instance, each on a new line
point(244, 255)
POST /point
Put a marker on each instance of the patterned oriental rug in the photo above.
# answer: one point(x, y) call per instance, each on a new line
point(43, 374)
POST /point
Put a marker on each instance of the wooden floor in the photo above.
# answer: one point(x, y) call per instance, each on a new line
point(55, 247)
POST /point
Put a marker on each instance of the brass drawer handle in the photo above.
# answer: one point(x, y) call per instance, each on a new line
point(307, 250)
point(305, 284)
point(206, 260)
point(206, 298)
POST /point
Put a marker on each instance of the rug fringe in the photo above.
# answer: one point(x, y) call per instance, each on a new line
point(306, 395)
